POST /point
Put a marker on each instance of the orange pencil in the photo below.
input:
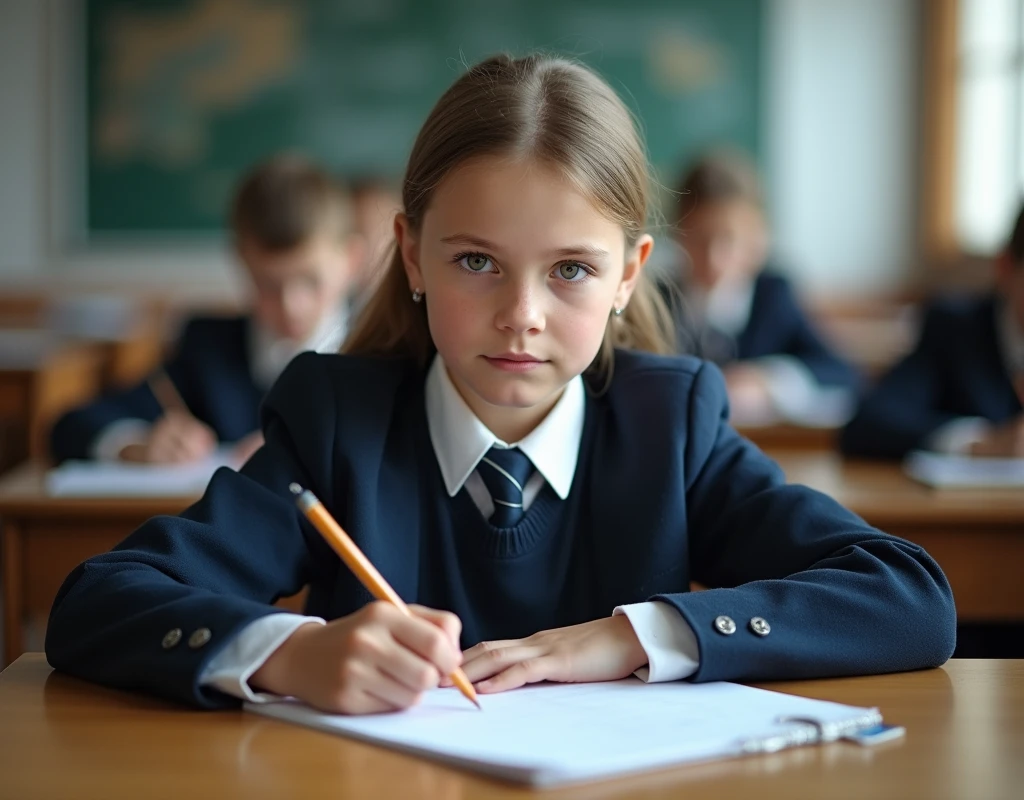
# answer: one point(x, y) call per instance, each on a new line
point(362, 568)
point(166, 393)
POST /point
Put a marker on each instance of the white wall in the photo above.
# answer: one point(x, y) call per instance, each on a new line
point(22, 156)
point(842, 109)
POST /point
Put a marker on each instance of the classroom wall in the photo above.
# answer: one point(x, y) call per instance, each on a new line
point(842, 141)
point(22, 155)
point(841, 115)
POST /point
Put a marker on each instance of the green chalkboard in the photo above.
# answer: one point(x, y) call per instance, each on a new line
point(184, 95)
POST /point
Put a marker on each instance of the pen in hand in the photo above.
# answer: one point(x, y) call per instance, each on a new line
point(361, 567)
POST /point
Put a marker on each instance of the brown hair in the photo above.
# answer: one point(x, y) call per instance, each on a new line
point(285, 201)
point(544, 108)
point(721, 176)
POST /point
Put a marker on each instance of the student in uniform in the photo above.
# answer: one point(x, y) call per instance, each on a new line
point(732, 307)
point(961, 389)
point(291, 225)
point(503, 443)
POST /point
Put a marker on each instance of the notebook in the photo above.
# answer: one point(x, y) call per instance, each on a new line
point(553, 734)
point(120, 479)
point(964, 472)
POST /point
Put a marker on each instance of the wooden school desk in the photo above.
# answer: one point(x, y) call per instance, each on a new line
point(61, 737)
point(43, 538)
point(786, 436)
point(41, 376)
point(976, 535)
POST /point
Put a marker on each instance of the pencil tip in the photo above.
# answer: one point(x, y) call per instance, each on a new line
point(295, 488)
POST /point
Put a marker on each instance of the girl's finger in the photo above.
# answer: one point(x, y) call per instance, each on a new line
point(490, 662)
point(445, 620)
point(389, 692)
point(532, 670)
point(406, 668)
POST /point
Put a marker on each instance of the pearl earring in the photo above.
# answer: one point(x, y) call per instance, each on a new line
point(417, 295)
point(618, 311)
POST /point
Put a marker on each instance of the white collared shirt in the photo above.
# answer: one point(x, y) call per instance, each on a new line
point(460, 440)
point(269, 354)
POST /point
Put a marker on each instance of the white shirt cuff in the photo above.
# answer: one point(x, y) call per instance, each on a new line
point(117, 436)
point(229, 671)
point(668, 640)
point(798, 397)
point(956, 437)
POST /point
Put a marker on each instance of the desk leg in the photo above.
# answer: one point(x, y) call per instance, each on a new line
point(14, 592)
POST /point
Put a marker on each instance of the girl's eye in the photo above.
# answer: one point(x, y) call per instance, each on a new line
point(571, 271)
point(476, 262)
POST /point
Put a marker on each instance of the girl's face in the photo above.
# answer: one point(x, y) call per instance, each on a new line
point(520, 274)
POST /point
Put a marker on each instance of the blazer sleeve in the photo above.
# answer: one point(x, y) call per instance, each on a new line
point(840, 597)
point(75, 433)
point(805, 344)
point(218, 566)
point(901, 411)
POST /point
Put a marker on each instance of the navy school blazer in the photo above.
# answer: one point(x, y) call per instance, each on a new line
point(957, 369)
point(668, 492)
point(777, 326)
point(210, 369)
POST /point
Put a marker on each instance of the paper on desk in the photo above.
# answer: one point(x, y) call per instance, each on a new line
point(561, 733)
point(120, 479)
point(964, 472)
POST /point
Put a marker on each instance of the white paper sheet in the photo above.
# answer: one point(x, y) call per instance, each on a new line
point(965, 472)
point(120, 479)
point(554, 734)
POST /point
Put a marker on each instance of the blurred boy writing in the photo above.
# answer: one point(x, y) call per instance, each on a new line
point(290, 221)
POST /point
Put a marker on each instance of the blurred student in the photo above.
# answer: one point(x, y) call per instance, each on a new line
point(732, 308)
point(962, 387)
point(375, 201)
point(291, 225)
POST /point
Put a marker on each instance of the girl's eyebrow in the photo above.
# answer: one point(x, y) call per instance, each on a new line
point(574, 250)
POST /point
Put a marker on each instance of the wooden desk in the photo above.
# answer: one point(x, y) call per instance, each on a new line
point(785, 436)
point(41, 376)
point(60, 737)
point(44, 538)
point(977, 536)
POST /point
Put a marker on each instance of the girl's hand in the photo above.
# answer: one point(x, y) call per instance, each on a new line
point(176, 438)
point(602, 650)
point(374, 660)
point(1006, 441)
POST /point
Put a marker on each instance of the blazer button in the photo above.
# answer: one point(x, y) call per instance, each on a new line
point(760, 626)
point(725, 626)
point(199, 638)
point(171, 638)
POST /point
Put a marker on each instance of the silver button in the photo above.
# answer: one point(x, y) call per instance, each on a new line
point(199, 638)
point(171, 638)
point(760, 626)
point(724, 625)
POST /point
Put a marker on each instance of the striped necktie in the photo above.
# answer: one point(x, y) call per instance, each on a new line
point(505, 472)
